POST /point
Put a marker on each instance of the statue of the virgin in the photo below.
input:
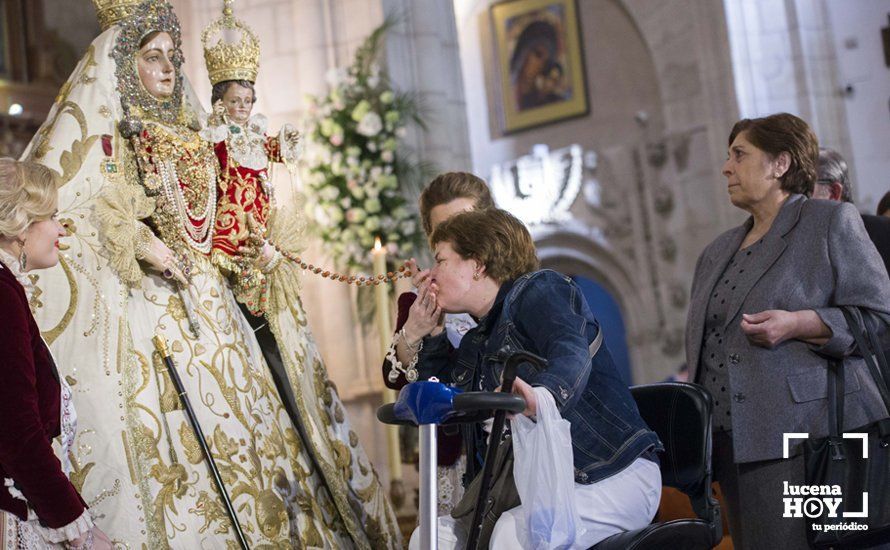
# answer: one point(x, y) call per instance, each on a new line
point(138, 192)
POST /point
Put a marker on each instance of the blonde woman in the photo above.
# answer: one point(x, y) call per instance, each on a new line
point(39, 507)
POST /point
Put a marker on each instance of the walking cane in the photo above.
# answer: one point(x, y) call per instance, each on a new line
point(161, 346)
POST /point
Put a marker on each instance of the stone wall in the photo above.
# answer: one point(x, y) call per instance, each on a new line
point(661, 103)
point(823, 61)
point(864, 84)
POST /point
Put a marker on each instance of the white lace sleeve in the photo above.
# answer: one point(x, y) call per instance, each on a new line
point(214, 134)
point(73, 530)
point(258, 124)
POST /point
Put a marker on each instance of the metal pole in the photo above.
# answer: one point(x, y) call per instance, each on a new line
point(429, 522)
point(161, 346)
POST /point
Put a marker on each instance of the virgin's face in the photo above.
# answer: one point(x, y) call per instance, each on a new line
point(154, 61)
point(751, 175)
point(453, 277)
point(534, 63)
point(442, 212)
point(42, 243)
point(238, 102)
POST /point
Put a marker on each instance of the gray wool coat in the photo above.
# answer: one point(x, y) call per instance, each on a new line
point(817, 256)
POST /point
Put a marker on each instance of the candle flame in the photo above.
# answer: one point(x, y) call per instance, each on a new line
point(377, 244)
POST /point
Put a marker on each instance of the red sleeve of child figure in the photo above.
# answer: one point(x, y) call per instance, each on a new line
point(240, 193)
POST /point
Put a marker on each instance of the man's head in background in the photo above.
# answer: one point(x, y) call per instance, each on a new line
point(833, 181)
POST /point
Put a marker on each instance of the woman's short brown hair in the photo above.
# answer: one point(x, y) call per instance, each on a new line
point(27, 194)
point(786, 133)
point(494, 238)
point(450, 186)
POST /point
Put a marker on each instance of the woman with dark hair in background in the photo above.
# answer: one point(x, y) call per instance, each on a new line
point(765, 318)
point(448, 194)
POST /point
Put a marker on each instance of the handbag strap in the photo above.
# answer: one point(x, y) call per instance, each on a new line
point(836, 399)
point(877, 350)
point(878, 370)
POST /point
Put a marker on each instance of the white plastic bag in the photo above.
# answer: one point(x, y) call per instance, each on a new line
point(545, 477)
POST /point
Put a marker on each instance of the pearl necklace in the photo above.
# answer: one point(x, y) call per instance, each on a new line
point(198, 237)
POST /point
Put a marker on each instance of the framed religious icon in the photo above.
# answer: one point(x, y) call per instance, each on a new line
point(540, 63)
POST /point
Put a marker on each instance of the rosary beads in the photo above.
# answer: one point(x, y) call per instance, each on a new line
point(403, 271)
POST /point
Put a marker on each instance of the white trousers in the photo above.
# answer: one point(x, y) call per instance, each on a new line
point(625, 501)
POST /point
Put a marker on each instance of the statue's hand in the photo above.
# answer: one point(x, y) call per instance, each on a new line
point(257, 249)
point(164, 261)
point(292, 136)
point(266, 255)
point(218, 116)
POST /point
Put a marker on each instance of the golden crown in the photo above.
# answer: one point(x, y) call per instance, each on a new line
point(112, 11)
point(230, 60)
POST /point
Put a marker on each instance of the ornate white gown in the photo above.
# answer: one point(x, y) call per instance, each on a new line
point(136, 460)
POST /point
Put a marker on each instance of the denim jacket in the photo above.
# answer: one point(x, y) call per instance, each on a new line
point(544, 313)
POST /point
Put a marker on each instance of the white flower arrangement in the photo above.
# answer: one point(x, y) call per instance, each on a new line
point(353, 162)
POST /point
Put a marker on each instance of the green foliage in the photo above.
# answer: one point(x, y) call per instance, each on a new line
point(358, 173)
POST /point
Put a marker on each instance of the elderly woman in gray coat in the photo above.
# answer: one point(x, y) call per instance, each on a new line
point(764, 319)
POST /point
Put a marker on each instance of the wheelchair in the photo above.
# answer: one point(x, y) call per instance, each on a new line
point(680, 413)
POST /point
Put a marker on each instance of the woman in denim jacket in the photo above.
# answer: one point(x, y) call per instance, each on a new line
point(486, 266)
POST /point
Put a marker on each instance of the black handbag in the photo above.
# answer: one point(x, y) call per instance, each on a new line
point(502, 496)
point(837, 462)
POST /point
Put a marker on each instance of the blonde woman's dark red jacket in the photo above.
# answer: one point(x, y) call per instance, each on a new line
point(30, 416)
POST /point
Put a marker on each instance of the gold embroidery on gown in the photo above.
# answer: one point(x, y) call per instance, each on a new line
point(135, 455)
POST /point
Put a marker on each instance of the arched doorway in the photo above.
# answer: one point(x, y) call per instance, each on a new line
point(611, 291)
point(607, 311)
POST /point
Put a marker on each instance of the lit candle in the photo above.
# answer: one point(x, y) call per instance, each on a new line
point(384, 327)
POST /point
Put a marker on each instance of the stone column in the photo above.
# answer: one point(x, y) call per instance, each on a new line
point(784, 60)
point(423, 56)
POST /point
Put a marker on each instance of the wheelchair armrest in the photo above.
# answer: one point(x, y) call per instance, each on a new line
point(707, 508)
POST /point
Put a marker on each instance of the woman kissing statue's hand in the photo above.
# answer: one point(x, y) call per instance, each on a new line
point(425, 316)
